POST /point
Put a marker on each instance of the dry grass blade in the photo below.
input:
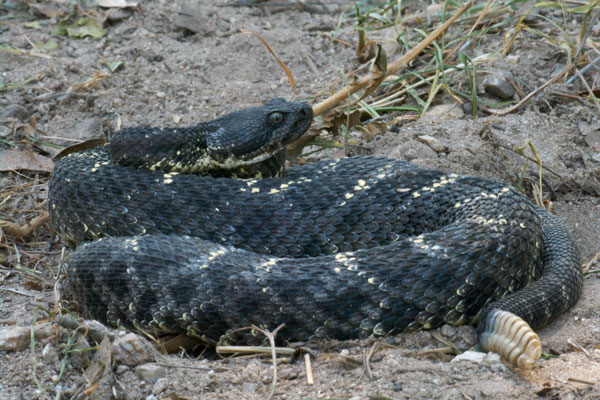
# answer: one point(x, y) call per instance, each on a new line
point(537, 189)
point(271, 337)
point(580, 380)
point(588, 265)
point(482, 14)
point(281, 63)
point(577, 347)
point(309, 373)
point(284, 351)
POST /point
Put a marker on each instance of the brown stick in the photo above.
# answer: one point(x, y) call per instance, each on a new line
point(354, 87)
point(23, 231)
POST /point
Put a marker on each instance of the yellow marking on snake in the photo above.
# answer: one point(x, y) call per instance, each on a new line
point(168, 178)
point(214, 254)
point(349, 195)
point(268, 264)
point(255, 190)
point(273, 191)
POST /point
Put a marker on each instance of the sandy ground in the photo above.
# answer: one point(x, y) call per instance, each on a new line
point(171, 76)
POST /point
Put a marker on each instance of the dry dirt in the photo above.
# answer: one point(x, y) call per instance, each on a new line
point(170, 76)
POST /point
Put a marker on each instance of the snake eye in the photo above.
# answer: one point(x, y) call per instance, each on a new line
point(276, 118)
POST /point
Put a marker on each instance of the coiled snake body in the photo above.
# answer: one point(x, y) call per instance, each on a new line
point(340, 248)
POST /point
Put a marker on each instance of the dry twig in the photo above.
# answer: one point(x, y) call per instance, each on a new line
point(23, 231)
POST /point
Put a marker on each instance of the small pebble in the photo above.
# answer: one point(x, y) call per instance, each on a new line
point(432, 142)
point(79, 359)
point(448, 331)
point(132, 350)
point(49, 354)
point(160, 386)
point(150, 372)
point(248, 387)
point(498, 83)
point(16, 111)
point(121, 369)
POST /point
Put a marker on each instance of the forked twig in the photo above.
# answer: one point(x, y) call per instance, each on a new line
point(22, 231)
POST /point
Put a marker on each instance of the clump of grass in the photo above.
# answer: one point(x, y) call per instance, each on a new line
point(446, 69)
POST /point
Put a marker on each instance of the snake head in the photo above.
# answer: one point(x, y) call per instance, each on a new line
point(255, 134)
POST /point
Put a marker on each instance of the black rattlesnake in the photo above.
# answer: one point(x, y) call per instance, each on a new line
point(340, 248)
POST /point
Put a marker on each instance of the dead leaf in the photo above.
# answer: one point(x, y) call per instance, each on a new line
point(375, 128)
point(11, 160)
point(79, 29)
point(100, 365)
point(85, 145)
point(585, 128)
point(91, 83)
point(47, 9)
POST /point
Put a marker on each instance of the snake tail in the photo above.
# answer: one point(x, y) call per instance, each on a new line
point(507, 325)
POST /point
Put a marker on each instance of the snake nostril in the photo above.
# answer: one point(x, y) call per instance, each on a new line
point(306, 111)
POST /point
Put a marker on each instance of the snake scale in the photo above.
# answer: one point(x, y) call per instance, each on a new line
point(340, 248)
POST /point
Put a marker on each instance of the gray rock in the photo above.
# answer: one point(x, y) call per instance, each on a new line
point(498, 83)
point(150, 372)
point(193, 17)
point(132, 350)
point(448, 331)
point(248, 387)
point(80, 359)
point(98, 331)
point(121, 369)
point(14, 338)
point(49, 354)
point(16, 111)
point(160, 386)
